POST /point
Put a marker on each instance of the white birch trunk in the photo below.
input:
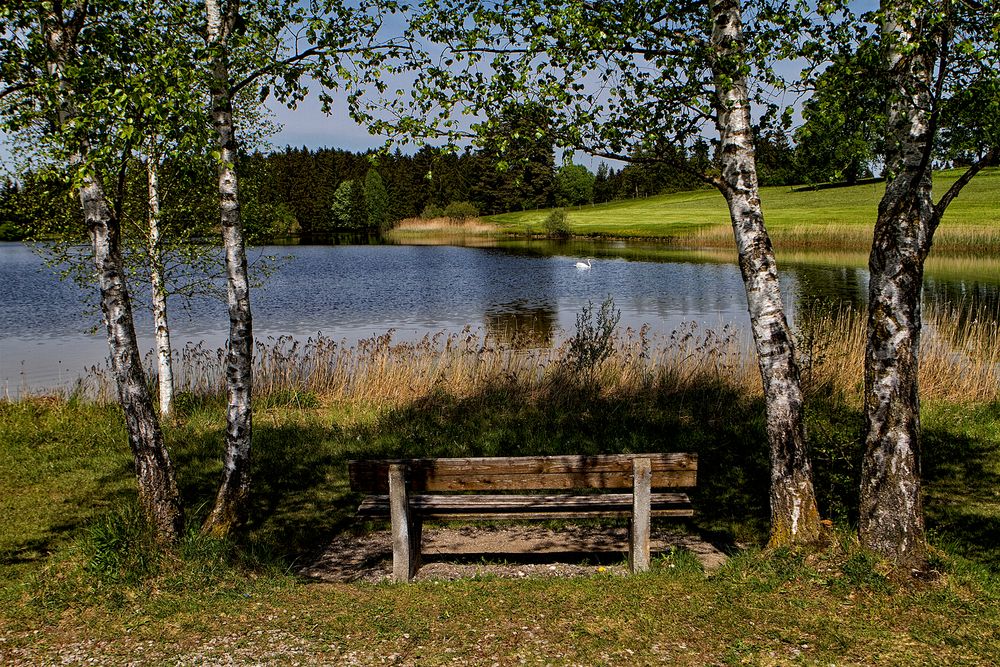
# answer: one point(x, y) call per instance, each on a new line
point(794, 515)
point(154, 471)
point(229, 510)
point(164, 360)
point(891, 520)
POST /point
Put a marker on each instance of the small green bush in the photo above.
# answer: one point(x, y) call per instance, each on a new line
point(594, 340)
point(10, 232)
point(120, 546)
point(557, 224)
point(432, 211)
point(460, 211)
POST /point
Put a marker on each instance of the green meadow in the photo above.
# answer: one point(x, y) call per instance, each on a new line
point(834, 218)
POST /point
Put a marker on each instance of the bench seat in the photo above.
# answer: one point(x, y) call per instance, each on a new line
point(499, 507)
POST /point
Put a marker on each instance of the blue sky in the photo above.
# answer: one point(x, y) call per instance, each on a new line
point(307, 125)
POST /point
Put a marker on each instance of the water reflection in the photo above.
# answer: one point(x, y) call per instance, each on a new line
point(521, 292)
point(522, 325)
point(829, 288)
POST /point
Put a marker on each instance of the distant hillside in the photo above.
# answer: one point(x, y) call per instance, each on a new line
point(830, 218)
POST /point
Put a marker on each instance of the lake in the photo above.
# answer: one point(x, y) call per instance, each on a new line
point(527, 287)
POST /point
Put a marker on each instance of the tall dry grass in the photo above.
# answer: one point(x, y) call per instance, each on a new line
point(444, 225)
point(950, 240)
point(383, 371)
point(959, 356)
point(960, 361)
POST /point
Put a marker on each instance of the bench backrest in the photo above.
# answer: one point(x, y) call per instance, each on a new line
point(606, 471)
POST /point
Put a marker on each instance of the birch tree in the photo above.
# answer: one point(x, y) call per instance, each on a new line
point(230, 501)
point(273, 44)
point(59, 85)
point(934, 51)
point(641, 82)
point(158, 289)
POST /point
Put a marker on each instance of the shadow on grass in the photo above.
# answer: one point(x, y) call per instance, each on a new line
point(61, 464)
point(299, 490)
point(962, 473)
point(301, 497)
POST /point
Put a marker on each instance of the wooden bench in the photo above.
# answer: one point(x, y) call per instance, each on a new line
point(410, 491)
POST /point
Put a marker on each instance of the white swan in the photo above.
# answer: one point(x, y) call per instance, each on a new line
point(584, 267)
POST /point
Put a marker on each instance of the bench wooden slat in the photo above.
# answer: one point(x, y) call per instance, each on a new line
point(529, 506)
point(678, 470)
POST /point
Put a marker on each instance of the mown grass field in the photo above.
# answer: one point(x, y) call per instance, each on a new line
point(836, 218)
point(79, 581)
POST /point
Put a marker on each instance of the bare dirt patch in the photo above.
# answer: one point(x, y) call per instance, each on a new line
point(506, 552)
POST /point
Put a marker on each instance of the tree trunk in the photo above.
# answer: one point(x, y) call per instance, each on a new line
point(230, 507)
point(794, 516)
point(164, 361)
point(154, 471)
point(891, 519)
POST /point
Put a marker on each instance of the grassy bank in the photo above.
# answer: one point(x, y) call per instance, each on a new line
point(838, 218)
point(78, 580)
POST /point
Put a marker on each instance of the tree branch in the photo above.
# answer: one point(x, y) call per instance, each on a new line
point(963, 180)
point(261, 71)
point(649, 53)
point(932, 123)
point(673, 161)
point(291, 60)
point(121, 184)
point(17, 87)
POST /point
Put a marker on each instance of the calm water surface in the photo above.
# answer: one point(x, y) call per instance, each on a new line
point(353, 291)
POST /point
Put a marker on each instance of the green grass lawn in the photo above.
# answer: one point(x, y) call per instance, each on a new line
point(834, 218)
point(78, 584)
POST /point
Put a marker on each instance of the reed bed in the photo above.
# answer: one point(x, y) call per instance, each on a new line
point(960, 362)
point(950, 240)
point(959, 355)
point(382, 371)
point(444, 225)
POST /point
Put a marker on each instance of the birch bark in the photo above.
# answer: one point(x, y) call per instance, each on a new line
point(230, 507)
point(164, 361)
point(154, 470)
point(794, 515)
point(891, 518)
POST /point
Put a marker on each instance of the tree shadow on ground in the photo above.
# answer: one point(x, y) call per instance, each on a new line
point(725, 428)
point(301, 497)
point(962, 478)
point(69, 465)
point(299, 490)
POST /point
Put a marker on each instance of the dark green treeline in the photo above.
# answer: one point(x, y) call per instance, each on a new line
point(314, 193)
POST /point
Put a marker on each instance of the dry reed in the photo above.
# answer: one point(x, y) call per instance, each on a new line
point(950, 240)
point(444, 225)
point(959, 356)
point(960, 361)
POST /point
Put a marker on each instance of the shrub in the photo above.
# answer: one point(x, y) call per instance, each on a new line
point(10, 232)
point(432, 211)
point(460, 211)
point(594, 340)
point(120, 546)
point(557, 224)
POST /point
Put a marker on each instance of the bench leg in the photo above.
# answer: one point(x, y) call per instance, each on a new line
point(405, 550)
point(638, 548)
point(416, 535)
